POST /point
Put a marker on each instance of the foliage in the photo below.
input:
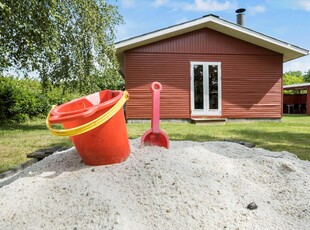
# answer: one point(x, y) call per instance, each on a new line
point(306, 76)
point(292, 77)
point(21, 99)
point(67, 42)
point(104, 82)
point(15, 101)
point(296, 77)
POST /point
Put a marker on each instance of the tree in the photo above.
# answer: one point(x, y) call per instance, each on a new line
point(292, 77)
point(306, 76)
point(67, 42)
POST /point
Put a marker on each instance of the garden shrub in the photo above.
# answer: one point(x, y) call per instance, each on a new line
point(21, 99)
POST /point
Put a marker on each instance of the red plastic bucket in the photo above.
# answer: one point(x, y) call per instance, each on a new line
point(105, 144)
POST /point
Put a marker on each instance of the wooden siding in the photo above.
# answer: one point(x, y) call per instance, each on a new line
point(169, 70)
point(252, 87)
point(251, 76)
point(204, 41)
point(290, 99)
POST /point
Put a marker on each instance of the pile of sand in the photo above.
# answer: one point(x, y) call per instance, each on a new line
point(190, 186)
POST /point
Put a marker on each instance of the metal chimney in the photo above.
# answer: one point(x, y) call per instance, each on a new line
point(240, 16)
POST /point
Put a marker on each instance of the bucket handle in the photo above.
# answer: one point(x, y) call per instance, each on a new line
point(90, 125)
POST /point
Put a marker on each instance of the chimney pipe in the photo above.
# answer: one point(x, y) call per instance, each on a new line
point(240, 16)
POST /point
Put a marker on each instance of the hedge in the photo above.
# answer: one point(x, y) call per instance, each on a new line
point(21, 99)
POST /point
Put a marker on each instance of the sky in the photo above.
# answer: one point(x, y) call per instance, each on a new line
point(286, 20)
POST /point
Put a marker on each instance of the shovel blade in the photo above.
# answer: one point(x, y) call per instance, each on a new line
point(155, 139)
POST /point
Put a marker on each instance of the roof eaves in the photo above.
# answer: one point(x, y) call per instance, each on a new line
point(165, 32)
point(156, 31)
point(213, 22)
point(262, 36)
point(297, 86)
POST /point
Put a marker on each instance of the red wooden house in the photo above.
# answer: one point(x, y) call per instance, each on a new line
point(209, 68)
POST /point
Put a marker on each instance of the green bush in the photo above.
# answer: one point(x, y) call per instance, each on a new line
point(21, 99)
point(6, 98)
point(18, 99)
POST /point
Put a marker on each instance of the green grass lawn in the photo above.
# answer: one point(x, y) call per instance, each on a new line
point(17, 140)
point(292, 135)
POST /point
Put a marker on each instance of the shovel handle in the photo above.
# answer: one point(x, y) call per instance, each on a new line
point(156, 88)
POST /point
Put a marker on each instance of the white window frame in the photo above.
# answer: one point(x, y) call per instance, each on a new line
point(206, 111)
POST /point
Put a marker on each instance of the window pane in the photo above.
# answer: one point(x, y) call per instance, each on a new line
point(198, 86)
point(213, 87)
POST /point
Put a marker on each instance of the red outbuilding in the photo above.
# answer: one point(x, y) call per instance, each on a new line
point(209, 68)
point(298, 103)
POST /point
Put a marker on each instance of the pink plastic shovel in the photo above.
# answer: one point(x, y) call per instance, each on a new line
point(155, 136)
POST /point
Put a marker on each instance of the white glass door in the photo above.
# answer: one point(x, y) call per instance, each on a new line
point(206, 89)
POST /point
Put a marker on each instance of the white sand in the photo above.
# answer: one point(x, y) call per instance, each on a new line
point(190, 186)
